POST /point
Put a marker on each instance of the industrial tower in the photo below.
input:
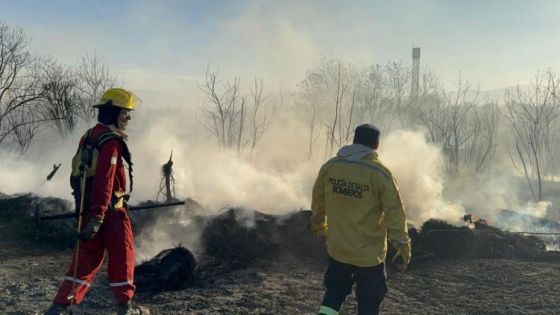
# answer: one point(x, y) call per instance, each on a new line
point(415, 82)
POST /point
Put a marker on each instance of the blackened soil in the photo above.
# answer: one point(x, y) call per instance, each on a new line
point(30, 275)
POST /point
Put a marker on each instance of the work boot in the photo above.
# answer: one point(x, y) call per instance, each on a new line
point(56, 309)
point(129, 309)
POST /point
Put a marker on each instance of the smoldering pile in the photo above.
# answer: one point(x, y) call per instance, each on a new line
point(245, 237)
point(232, 240)
point(19, 217)
point(236, 239)
point(440, 239)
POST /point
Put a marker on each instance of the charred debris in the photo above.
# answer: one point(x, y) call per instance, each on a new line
point(237, 239)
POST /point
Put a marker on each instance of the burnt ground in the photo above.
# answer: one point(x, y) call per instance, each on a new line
point(275, 266)
point(30, 275)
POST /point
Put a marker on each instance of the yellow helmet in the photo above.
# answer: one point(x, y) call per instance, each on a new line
point(120, 98)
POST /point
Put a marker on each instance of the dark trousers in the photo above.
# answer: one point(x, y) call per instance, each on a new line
point(371, 286)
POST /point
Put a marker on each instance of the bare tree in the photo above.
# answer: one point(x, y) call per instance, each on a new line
point(458, 131)
point(343, 95)
point(62, 103)
point(330, 94)
point(310, 107)
point(223, 111)
point(398, 83)
point(310, 112)
point(93, 78)
point(465, 129)
point(69, 93)
point(36, 92)
point(19, 88)
point(429, 99)
point(25, 128)
point(235, 122)
point(384, 96)
point(481, 146)
point(337, 96)
point(373, 104)
point(261, 114)
point(532, 115)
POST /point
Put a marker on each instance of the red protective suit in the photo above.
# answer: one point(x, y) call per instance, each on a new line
point(115, 235)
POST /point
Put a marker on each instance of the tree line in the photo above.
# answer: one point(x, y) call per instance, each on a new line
point(469, 127)
point(39, 92)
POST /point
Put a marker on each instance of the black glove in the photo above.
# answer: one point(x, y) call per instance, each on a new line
point(92, 227)
point(403, 255)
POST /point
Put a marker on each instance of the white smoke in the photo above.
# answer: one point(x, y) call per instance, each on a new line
point(27, 173)
point(525, 218)
point(276, 177)
point(538, 209)
point(418, 169)
point(176, 227)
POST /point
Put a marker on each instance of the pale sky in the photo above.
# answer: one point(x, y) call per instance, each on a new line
point(164, 46)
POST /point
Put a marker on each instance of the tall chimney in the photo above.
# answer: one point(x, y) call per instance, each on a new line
point(415, 80)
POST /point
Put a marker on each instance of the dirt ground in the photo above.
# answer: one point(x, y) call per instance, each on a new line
point(29, 277)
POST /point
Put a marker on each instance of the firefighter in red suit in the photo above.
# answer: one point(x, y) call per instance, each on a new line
point(106, 225)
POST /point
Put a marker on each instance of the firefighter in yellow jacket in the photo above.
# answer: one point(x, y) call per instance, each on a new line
point(356, 207)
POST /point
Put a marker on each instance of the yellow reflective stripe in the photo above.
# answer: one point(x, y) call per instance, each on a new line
point(325, 310)
point(119, 194)
point(78, 281)
point(120, 284)
point(118, 199)
point(119, 203)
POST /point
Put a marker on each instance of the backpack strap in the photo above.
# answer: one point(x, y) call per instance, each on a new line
point(109, 135)
point(87, 149)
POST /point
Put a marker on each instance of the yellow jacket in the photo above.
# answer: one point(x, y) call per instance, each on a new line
point(357, 204)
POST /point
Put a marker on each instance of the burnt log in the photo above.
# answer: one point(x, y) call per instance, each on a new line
point(171, 269)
